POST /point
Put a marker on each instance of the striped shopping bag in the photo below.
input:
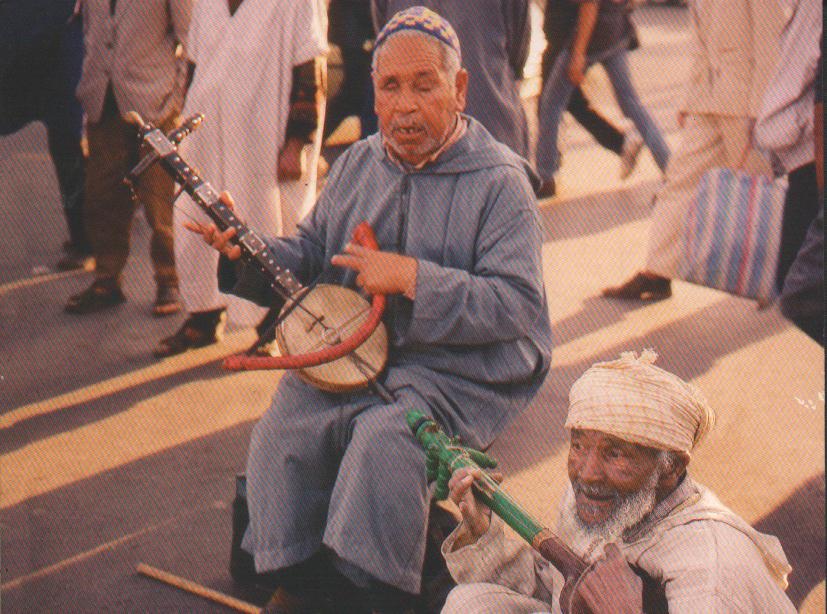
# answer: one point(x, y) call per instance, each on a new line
point(732, 234)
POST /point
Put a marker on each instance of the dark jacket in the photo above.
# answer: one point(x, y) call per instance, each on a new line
point(614, 28)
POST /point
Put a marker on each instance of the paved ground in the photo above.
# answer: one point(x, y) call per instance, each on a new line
point(110, 458)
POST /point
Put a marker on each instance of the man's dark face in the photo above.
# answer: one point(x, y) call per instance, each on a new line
point(606, 471)
point(416, 101)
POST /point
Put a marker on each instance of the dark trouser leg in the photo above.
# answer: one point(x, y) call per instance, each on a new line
point(604, 132)
point(108, 208)
point(63, 117)
point(356, 67)
point(64, 147)
point(155, 190)
point(801, 207)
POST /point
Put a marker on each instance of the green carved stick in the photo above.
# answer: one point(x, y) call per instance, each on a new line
point(445, 455)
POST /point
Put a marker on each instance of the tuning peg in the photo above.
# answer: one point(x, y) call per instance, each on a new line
point(134, 118)
point(190, 124)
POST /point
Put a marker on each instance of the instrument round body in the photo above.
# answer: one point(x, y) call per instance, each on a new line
point(343, 311)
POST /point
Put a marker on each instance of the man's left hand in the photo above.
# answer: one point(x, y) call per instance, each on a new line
point(379, 272)
point(611, 585)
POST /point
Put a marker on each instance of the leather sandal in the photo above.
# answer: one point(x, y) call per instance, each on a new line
point(199, 330)
point(167, 301)
point(642, 287)
point(102, 294)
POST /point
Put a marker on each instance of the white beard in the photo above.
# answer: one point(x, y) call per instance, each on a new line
point(627, 513)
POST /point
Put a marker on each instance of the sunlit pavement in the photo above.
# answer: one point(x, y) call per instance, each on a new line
point(110, 458)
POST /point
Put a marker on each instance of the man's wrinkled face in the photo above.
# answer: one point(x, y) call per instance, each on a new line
point(614, 481)
point(416, 102)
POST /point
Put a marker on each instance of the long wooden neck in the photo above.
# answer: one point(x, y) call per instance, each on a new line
point(253, 248)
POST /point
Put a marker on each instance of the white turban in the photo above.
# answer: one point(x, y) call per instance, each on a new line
point(638, 402)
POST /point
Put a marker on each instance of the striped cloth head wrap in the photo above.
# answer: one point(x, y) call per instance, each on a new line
point(632, 399)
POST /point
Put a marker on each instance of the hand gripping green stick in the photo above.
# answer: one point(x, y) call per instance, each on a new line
point(444, 455)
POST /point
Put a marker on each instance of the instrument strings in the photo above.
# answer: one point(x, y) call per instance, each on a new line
point(363, 366)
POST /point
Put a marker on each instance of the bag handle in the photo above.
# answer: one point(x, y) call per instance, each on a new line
point(749, 147)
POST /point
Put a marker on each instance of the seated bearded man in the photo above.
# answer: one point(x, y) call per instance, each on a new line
point(336, 484)
point(630, 501)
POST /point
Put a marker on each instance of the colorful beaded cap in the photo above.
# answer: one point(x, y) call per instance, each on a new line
point(421, 19)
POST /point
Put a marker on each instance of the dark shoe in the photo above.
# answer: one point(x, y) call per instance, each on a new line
point(265, 344)
point(74, 260)
point(167, 301)
point(199, 330)
point(284, 602)
point(642, 287)
point(547, 189)
point(386, 599)
point(102, 294)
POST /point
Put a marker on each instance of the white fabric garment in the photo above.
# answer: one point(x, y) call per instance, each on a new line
point(707, 558)
point(242, 84)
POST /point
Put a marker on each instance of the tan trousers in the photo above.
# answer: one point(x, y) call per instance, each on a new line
point(707, 141)
point(109, 208)
point(487, 598)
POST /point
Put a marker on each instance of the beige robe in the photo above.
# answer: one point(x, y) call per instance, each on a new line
point(734, 52)
point(707, 558)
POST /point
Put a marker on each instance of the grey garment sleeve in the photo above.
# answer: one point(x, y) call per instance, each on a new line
point(496, 559)
point(502, 297)
point(517, 19)
point(180, 13)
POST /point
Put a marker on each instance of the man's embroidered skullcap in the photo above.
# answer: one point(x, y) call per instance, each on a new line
point(420, 19)
point(638, 402)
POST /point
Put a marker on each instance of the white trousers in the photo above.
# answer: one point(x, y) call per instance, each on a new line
point(707, 141)
point(196, 262)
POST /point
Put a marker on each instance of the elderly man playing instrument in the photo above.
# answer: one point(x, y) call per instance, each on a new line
point(335, 479)
point(629, 502)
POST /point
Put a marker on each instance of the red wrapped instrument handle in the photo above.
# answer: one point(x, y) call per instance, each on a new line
point(362, 235)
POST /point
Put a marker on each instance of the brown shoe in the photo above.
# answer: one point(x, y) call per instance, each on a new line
point(283, 602)
point(199, 330)
point(102, 294)
point(642, 287)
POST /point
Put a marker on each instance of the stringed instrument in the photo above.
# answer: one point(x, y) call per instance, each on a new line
point(331, 335)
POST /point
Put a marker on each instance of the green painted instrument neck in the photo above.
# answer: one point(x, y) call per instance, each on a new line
point(454, 456)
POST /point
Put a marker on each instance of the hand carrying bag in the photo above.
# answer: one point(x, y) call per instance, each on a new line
point(732, 234)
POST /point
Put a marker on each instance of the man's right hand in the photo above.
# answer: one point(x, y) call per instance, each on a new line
point(475, 515)
point(221, 241)
point(611, 586)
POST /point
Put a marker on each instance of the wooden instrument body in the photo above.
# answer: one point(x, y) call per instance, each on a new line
point(344, 311)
